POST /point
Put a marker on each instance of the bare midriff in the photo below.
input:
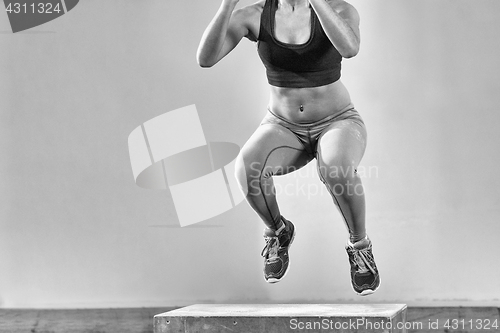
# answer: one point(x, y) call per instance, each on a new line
point(305, 105)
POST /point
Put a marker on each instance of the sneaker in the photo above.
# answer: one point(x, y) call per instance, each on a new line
point(275, 253)
point(364, 273)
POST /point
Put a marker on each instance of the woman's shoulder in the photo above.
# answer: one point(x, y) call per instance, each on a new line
point(250, 17)
point(344, 8)
point(253, 9)
point(340, 5)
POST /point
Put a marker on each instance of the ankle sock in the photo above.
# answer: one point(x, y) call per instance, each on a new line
point(280, 228)
point(356, 238)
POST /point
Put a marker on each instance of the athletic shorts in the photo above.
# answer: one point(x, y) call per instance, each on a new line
point(309, 133)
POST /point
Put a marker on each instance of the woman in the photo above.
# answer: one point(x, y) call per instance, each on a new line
point(310, 115)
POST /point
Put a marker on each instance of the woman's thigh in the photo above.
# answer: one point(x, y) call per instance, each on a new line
point(271, 150)
point(341, 147)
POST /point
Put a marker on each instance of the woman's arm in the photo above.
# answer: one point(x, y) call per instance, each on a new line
point(340, 21)
point(223, 33)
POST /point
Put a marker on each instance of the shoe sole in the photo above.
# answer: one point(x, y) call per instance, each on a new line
point(274, 280)
point(368, 291)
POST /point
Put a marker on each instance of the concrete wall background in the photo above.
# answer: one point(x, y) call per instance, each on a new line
point(75, 231)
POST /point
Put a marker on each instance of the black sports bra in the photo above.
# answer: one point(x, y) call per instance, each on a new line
point(314, 63)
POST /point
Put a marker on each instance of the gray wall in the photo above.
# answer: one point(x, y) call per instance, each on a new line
point(77, 232)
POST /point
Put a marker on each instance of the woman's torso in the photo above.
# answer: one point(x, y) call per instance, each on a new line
point(299, 105)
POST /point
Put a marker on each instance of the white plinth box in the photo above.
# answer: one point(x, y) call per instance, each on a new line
point(280, 318)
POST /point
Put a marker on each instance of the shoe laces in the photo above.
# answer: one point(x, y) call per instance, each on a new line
point(271, 248)
point(363, 259)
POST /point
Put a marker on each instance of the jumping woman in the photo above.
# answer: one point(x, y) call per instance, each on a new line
point(310, 115)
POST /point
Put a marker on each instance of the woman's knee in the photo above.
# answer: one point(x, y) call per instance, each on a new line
point(337, 172)
point(341, 179)
point(248, 172)
point(241, 174)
